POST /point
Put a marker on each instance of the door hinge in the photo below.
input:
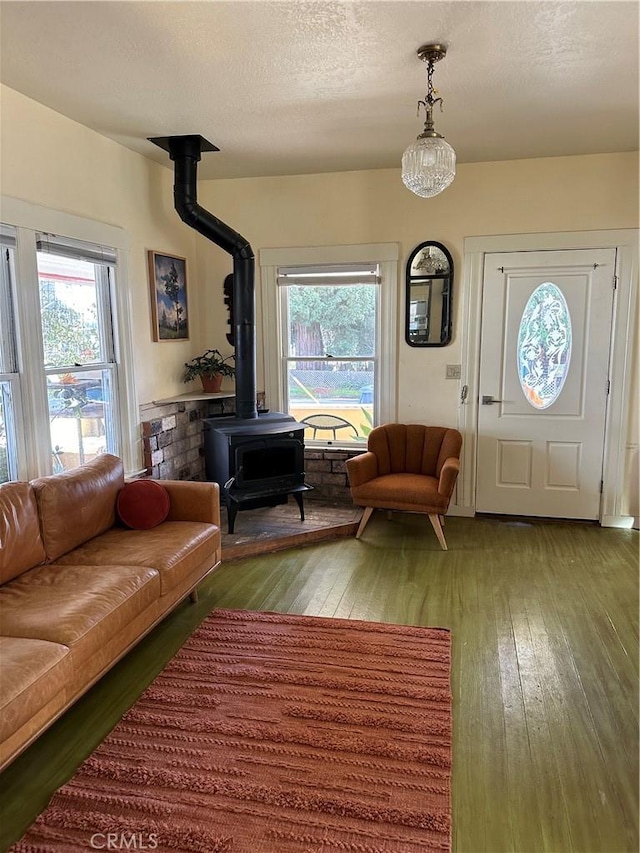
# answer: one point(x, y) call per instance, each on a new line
point(608, 387)
point(615, 282)
point(601, 486)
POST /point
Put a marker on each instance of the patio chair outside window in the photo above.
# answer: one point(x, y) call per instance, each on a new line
point(329, 423)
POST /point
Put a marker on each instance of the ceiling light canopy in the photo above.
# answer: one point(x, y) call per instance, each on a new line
point(429, 164)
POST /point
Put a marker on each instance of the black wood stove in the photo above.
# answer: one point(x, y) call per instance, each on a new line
point(256, 463)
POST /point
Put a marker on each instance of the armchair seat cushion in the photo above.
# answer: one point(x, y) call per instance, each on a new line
point(408, 492)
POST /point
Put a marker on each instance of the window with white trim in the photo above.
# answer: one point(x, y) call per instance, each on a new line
point(59, 374)
point(334, 338)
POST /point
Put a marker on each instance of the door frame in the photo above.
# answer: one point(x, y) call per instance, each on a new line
point(623, 331)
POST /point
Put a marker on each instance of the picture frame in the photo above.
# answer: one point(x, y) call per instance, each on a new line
point(169, 306)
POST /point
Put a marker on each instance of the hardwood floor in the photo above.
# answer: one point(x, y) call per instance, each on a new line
point(544, 622)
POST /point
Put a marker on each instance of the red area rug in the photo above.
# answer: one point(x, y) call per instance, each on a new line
point(274, 733)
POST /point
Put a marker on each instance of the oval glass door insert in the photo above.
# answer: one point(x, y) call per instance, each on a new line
point(544, 345)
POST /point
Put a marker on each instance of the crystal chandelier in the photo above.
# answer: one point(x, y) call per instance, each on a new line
point(429, 164)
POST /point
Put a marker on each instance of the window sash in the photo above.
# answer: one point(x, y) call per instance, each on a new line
point(104, 287)
point(284, 284)
point(79, 250)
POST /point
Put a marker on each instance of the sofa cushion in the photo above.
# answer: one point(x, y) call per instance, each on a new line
point(143, 504)
point(33, 673)
point(75, 604)
point(21, 547)
point(79, 504)
point(174, 548)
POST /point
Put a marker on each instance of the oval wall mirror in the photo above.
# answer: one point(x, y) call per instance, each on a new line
point(429, 286)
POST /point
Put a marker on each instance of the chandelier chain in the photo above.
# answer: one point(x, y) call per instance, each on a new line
point(429, 101)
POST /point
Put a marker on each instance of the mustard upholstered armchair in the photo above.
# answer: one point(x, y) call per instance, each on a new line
point(407, 467)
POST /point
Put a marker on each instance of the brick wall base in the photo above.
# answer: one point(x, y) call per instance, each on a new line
point(172, 442)
point(326, 471)
point(173, 448)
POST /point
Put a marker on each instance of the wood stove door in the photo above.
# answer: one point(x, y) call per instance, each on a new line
point(268, 465)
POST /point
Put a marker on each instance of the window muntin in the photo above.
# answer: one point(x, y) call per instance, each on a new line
point(330, 342)
point(544, 345)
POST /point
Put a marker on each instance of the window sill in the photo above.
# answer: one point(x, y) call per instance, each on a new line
point(194, 396)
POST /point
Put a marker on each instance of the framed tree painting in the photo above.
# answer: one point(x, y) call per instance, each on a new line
point(168, 283)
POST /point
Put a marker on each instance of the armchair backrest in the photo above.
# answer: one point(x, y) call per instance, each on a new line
point(413, 448)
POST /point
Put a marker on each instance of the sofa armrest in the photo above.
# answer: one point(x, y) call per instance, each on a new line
point(362, 468)
point(193, 501)
point(448, 476)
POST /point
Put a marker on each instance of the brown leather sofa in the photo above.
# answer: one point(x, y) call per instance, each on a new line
point(407, 467)
point(78, 589)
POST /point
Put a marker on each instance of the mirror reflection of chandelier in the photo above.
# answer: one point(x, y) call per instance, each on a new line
point(429, 164)
point(426, 264)
point(430, 262)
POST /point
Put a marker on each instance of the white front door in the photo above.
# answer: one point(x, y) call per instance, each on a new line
point(546, 323)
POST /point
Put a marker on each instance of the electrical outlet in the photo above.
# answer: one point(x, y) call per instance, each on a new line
point(453, 371)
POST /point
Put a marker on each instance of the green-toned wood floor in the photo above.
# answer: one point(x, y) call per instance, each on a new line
point(544, 620)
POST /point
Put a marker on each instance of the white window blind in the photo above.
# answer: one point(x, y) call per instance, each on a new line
point(330, 275)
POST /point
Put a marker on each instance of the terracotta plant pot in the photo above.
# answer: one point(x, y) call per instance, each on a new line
point(211, 382)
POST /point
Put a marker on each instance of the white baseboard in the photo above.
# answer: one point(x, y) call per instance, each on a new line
point(621, 521)
point(461, 511)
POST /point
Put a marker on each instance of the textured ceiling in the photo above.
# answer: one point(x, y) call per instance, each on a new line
point(295, 87)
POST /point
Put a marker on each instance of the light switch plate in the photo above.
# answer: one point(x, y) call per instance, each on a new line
point(453, 371)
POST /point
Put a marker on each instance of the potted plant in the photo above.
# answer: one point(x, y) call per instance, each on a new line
point(210, 367)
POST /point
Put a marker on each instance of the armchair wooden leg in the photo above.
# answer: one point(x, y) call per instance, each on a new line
point(363, 522)
point(193, 596)
point(435, 522)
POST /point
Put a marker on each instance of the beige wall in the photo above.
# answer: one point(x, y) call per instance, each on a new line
point(47, 159)
point(520, 196)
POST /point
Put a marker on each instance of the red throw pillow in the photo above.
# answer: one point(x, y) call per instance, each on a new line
point(143, 504)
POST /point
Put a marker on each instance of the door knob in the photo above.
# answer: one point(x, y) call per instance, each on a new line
point(488, 400)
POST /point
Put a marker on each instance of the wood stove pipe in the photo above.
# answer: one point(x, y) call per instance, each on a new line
point(185, 151)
